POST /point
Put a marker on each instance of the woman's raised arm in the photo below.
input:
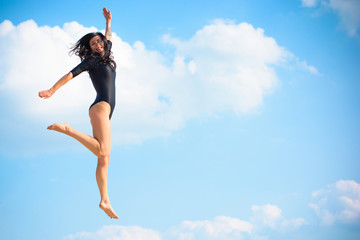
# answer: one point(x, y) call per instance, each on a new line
point(108, 17)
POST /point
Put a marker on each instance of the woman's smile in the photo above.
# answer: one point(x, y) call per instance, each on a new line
point(97, 45)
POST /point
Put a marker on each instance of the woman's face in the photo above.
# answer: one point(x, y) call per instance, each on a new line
point(97, 45)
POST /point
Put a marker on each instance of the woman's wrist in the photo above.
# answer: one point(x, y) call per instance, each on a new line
point(52, 90)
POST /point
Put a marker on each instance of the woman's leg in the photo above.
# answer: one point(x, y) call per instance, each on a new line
point(89, 142)
point(100, 145)
point(99, 115)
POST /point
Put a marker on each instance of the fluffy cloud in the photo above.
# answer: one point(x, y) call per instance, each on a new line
point(265, 220)
point(266, 217)
point(348, 11)
point(229, 66)
point(224, 67)
point(269, 216)
point(117, 232)
point(221, 227)
point(339, 202)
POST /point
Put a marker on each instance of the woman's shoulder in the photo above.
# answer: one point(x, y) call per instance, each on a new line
point(89, 62)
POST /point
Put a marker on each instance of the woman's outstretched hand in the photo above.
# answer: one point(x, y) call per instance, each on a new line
point(46, 94)
point(107, 14)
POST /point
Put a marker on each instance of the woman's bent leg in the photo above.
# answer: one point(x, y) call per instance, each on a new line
point(89, 142)
point(100, 145)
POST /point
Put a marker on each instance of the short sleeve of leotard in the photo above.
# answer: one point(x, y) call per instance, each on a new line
point(85, 65)
point(110, 44)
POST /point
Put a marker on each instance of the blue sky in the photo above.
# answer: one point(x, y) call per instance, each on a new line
point(234, 120)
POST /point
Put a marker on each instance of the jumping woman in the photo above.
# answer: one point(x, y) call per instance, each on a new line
point(94, 50)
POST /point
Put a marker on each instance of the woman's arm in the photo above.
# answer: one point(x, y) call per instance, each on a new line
point(48, 93)
point(108, 17)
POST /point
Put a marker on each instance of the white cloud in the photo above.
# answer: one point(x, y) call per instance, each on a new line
point(303, 65)
point(269, 216)
point(265, 221)
point(349, 13)
point(117, 232)
point(233, 67)
point(339, 202)
point(224, 67)
point(221, 227)
point(347, 10)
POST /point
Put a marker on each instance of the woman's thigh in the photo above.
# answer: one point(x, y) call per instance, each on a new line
point(99, 117)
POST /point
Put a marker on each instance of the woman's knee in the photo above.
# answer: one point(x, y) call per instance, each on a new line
point(104, 160)
point(104, 152)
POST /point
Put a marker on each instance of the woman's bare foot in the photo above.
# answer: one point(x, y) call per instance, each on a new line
point(60, 127)
point(106, 207)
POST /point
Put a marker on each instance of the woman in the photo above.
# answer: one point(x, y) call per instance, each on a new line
point(94, 50)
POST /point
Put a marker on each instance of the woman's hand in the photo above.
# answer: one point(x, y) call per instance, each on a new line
point(108, 17)
point(46, 94)
point(107, 14)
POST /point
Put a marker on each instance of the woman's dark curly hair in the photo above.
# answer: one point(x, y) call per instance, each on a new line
point(83, 50)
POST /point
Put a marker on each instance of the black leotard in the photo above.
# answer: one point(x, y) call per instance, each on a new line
point(103, 78)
